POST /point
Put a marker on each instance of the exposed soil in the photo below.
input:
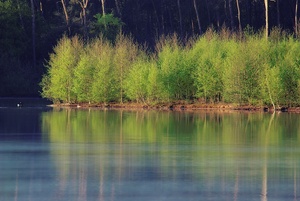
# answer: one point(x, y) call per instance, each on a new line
point(180, 106)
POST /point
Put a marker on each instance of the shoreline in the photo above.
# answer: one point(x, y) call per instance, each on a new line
point(178, 106)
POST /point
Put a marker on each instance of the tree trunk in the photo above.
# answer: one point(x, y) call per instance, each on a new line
point(239, 15)
point(296, 19)
point(231, 15)
point(180, 18)
point(197, 16)
point(162, 17)
point(208, 12)
point(278, 13)
point(33, 33)
point(103, 7)
point(156, 18)
point(267, 18)
point(83, 4)
point(118, 8)
point(103, 13)
point(66, 16)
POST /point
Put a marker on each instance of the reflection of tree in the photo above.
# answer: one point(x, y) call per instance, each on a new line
point(295, 182)
point(17, 187)
point(236, 186)
point(264, 190)
point(208, 155)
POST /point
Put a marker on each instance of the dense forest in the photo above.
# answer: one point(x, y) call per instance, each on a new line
point(33, 30)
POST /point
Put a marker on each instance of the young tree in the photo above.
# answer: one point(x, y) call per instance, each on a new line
point(209, 58)
point(58, 83)
point(175, 73)
point(135, 84)
point(104, 88)
point(83, 76)
point(125, 54)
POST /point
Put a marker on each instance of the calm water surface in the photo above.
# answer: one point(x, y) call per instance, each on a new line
point(50, 154)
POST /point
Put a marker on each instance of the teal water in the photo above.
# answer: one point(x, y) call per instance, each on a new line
point(72, 154)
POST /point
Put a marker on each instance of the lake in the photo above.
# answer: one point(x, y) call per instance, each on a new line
point(118, 155)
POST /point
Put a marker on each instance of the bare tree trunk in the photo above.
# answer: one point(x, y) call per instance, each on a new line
point(267, 18)
point(278, 13)
point(103, 7)
point(156, 17)
point(162, 17)
point(20, 15)
point(83, 4)
point(118, 8)
point(208, 12)
point(231, 15)
point(239, 15)
point(66, 16)
point(33, 33)
point(103, 13)
point(296, 19)
point(197, 15)
point(180, 18)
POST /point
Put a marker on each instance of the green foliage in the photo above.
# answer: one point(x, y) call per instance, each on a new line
point(82, 77)
point(108, 25)
point(58, 85)
point(13, 40)
point(211, 68)
point(175, 70)
point(290, 74)
point(103, 80)
point(209, 57)
point(125, 53)
point(243, 75)
point(137, 80)
point(154, 85)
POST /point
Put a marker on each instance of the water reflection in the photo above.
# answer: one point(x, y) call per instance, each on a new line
point(149, 155)
point(216, 154)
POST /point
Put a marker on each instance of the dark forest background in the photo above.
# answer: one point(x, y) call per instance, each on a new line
point(29, 29)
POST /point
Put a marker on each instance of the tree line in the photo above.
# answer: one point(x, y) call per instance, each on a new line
point(212, 68)
point(29, 29)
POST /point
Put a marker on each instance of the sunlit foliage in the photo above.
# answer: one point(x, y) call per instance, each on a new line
point(212, 68)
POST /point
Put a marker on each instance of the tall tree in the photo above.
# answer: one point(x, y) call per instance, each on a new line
point(278, 13)
point(83, 4)
point(231, 15)
point(296, 19)
point(33, 33)
point(156, 18)
point(103, 7)
point(267, 17)
point(103, 13)
point(66, 16)
point(208, 12)
point(197, 16)
point(239, 15)
point(180, 18)
point(118, 8)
